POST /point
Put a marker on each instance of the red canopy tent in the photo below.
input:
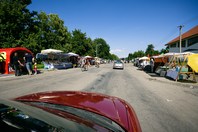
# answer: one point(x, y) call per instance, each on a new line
point(6, 57)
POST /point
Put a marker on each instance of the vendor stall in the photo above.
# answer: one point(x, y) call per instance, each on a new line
point(56, 59)
point(161, 63)
point(168, 61)
point(73, 58)
point(183, 66)
point(144, 61)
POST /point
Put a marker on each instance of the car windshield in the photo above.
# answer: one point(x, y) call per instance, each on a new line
point(83, 114)
point(89, 116)
point(15, 119)
point(118, 61)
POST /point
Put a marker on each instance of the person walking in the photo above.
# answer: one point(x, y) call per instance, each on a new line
point(28, 62)
point(16, 64)
point(97, 62)
point(84, 64)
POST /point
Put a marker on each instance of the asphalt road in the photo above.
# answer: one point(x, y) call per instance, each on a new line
point(159, 104)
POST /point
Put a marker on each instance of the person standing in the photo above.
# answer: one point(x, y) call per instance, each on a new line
point(152, 65)
point(16, 64)
point(28, 62)
point(35, 68)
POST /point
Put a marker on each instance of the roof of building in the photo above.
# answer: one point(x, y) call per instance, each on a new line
point(191, 32)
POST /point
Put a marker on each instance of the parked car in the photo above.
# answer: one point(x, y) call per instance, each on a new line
point(68, 111)
point(118, 64)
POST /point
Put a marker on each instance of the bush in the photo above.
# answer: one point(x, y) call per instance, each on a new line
point(40, 66)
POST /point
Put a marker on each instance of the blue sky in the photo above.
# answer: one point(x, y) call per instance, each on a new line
point(126, 25)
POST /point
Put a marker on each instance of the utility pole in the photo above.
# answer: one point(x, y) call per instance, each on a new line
point(180, 37)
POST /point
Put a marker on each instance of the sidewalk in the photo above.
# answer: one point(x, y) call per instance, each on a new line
point(10, 75)
point(6, 75)
point(185, 83)
point(40, 71)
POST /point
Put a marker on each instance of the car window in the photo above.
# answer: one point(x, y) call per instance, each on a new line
point(15, 120)
point(86, 115)
point(118, 61)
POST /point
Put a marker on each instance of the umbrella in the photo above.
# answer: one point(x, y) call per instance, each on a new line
point(193, 62)
point(47, 51)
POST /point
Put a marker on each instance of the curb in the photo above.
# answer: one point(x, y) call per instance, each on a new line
point(173, 82)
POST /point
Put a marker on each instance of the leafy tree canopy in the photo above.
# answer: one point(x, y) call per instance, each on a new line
point(80, 44)
point(114, 57)
point(103, 49)
point(15, 22)
point(37, 31)
point(150, 50)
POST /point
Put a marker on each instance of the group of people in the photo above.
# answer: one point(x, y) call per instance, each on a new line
point(29, 62)
point(84, 62)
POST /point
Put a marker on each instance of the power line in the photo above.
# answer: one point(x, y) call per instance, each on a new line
point(190, 20)
point(174, 31)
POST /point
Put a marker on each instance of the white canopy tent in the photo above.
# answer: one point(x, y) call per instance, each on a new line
point(144, 58)
point(88, 57)
point(72, 54)
point(54, 59)
point(48, 51)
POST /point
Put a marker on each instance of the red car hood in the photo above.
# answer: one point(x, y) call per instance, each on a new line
point(112, 107)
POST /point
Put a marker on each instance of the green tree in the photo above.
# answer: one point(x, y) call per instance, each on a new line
point(80, 43)
point(114, 57)
point(103, 49)
point(139, 53)
point(156, 52)
point(163, 51)
point(49, 32)
point(130, 56)
point(37, 31)
point(150, 50)
point(52, 32)
point(91, 50)
point(15, 22)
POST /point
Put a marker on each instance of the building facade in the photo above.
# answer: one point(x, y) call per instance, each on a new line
point(189, 42)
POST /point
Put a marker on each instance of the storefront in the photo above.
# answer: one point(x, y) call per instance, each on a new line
point(6, 55)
